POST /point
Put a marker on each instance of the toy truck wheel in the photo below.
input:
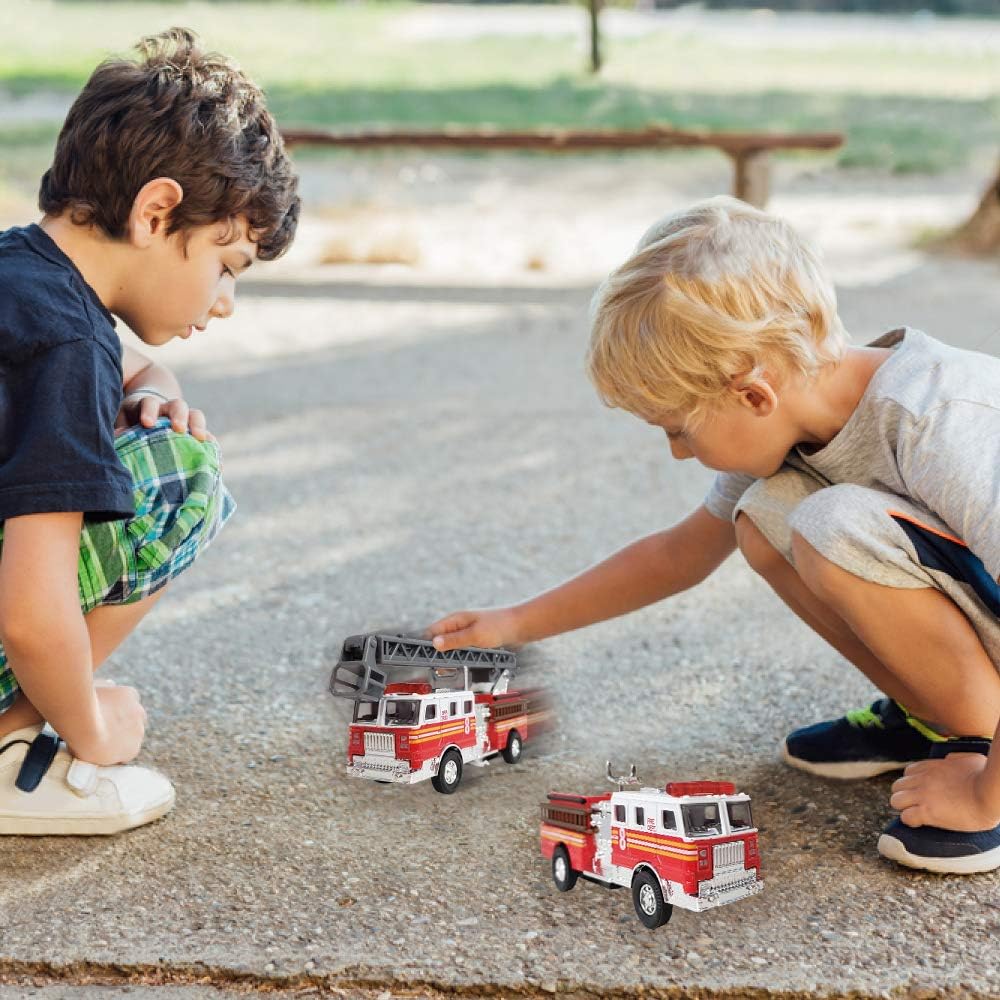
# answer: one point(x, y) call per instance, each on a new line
point(515, 746)
point(647, 897)
point(449, 774)
point(562, 871)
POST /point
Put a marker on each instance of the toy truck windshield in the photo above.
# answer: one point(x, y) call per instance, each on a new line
point(739, 816)
point(401, 711)
point(701, 819)
point(365, 711)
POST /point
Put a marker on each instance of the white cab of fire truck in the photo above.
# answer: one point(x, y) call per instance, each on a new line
point(705, 843)
point(420, 734)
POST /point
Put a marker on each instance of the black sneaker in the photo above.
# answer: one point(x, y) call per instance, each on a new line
point(861, 744)
point(946, 851)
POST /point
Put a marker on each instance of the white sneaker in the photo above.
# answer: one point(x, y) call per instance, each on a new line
point(69, 796)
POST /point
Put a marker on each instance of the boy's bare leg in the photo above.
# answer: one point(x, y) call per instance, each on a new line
point(108, 626)
point(783, 579)
point(920, 638)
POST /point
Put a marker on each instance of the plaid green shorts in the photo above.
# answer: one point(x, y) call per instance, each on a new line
point(180, 505)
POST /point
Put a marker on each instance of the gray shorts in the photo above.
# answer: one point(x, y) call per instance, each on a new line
point(879, 537)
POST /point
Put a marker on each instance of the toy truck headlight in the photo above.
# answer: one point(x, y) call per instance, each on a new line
point(355, 739)
point(752, 848)
point(404, 741)
point(702, 859)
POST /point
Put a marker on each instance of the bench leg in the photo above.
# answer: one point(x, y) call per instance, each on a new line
point(752, 177)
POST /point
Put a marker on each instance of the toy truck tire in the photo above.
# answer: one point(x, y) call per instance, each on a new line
point(512, 751)
point(562, 871)
point(449, 775)
point(647, 897)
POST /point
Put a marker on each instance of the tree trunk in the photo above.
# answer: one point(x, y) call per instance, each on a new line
point(981, 234)
point(595, 35)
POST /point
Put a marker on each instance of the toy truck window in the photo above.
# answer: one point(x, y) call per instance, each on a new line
point(453, 709)
point(701, 819)
point(619, 814)
point(669, 820)
point(430, 713)
point(365, 711)
point(739, 815)
point(468, 708)
point(401, 712)
point(640, 816)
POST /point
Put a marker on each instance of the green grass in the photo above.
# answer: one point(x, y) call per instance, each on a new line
point(903, 108)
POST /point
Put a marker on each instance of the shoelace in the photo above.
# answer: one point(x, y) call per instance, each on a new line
point(865, 718)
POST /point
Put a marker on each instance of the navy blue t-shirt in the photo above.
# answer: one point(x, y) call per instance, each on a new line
point(60, 387)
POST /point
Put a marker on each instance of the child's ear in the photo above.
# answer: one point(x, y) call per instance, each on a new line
point(758, 396)
point(151, 210)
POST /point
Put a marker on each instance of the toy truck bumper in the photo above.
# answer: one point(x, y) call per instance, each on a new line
point(727, 889)
point(384, 769)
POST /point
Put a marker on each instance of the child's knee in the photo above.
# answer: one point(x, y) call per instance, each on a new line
point(761, 556)
point(835, 535)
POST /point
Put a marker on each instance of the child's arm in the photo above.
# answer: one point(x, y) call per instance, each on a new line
point(959, 792)
point(642, 573)
point(152, 391)
point(47, 644)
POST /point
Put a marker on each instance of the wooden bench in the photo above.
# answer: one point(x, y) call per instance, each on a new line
point(749, 151)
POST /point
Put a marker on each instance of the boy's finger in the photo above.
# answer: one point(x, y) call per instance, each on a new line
point(450, 623)
point(912, 816)
point(197, 425)
point(149, 410)
point(902, 799)
point(453, 640)
point(178, 415)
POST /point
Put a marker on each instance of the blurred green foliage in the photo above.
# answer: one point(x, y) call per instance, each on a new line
point(905, 105)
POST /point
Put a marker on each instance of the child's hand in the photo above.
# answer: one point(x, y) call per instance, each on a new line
point(948, 793)
point(488, 628)
point(146, 408)
point(124, 725)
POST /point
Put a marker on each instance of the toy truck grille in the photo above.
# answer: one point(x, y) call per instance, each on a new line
point(379, 743)
point(728, 856)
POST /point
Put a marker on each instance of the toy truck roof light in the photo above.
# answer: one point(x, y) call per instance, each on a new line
point(681, 788)
point(411, 688)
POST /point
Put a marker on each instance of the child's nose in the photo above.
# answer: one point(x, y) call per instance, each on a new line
point(224, 306)
point(679, 450)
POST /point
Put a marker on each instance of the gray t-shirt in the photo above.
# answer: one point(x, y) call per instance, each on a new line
point(927, 428)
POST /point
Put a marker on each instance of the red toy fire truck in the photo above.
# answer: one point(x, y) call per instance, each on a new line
point(692, 844)
point(463, 713)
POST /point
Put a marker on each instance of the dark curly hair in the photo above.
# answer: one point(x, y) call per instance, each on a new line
point(177, 112)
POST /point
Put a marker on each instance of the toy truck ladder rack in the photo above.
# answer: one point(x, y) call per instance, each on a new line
point(367, 660)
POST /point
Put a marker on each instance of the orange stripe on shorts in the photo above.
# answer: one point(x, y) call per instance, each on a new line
point(927, 527)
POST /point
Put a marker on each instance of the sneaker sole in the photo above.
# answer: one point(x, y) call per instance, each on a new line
point(83, 826)
point(847, 771)
point(972, 864)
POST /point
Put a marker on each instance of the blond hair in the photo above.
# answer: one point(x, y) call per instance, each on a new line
point(712, 296)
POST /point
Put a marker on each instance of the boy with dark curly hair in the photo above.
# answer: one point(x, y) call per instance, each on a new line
point(169, 179)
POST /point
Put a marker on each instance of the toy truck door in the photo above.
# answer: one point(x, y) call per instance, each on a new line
point(430, 728)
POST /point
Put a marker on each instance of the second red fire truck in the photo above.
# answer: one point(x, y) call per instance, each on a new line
point(409, 731)
point(691, 844)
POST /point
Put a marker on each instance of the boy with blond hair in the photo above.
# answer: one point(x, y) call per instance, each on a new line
point(168, 180)
point(862, 483)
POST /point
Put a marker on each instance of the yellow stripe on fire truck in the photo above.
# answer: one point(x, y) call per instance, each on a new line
point(645, 847)
point(438, 734)
point(563, 836)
